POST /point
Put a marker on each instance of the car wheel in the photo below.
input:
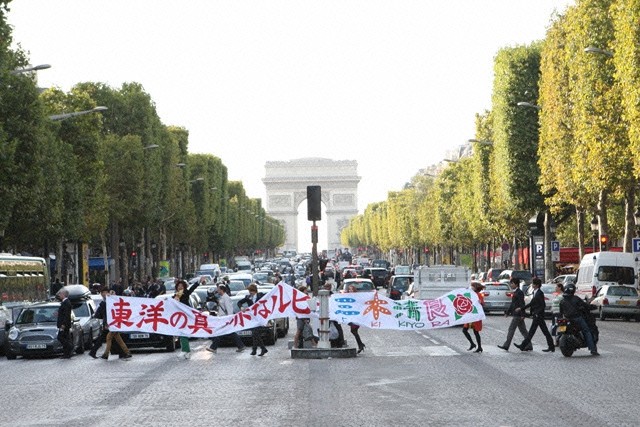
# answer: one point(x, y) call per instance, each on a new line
point(627, 318)
point(80, 348)
point(272, 337)
point(10, 356)
point(171, 345)
point(601, 315)
point(637, 317)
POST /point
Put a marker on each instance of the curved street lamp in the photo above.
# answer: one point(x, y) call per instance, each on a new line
point(58, 117)
point(593, 49)
point(528, 105)
point(30, 68)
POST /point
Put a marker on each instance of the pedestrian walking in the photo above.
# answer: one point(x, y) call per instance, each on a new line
point(182, 295)
point(537, 306)
point(555, 311)
point(477, 325)
point(256, 333)
point(355, 328)
point(64, 323)
point(516, 311)
point(101, 313)
point(225, 308)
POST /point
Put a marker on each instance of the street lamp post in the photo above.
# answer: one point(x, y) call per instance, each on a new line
point(30, 68)
point(594, 231)
point(58, 117)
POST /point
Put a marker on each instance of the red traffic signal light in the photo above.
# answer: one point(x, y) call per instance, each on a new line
point(604, 241)
point(133, 253)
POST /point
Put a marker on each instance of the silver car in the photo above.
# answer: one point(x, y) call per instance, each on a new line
point(617, 301)
point(497, 296)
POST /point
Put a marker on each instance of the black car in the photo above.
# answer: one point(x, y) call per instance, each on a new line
point(379, 276)
point(35, 332)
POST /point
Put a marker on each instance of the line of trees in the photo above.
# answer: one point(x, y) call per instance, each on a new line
point(562, 139)
point(119, 180)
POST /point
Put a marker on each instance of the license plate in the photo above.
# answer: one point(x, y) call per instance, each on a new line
point(562, 328)
point(138, 336)
point(36, 347)
point(623, 302)
point(244, 333)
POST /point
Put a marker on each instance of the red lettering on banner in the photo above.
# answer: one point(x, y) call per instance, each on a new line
point(121, 314)
point(259, 308)
point(239, 318)
point(435, 308)
point(177, 317)
point(281, 304)
point(201, 322)
point(154, 315)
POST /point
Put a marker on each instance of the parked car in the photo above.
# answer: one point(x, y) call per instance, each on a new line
point(564, 279)
point(270, 333)
point(524, 276)
point(617, 301)
point(549, 291)
point(497, 296)
point(492, 274)
point(360, 283)
point(35, 332)
point(399, 285)
point(378, 275)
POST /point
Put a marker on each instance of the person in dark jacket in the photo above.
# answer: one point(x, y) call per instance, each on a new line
point(517, 319)
point(64, 323)
point(256, 333)
point(574, 309)
point(182, 294)
point(537, 306)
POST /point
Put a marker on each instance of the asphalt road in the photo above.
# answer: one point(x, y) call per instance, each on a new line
point(422, 378)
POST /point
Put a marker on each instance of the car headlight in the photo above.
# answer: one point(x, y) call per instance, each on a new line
point(13, 333)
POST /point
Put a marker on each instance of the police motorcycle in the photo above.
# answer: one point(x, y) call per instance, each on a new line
point(570, 337)
point(212, 301)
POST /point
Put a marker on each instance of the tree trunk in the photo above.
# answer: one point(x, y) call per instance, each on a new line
point(629, 223)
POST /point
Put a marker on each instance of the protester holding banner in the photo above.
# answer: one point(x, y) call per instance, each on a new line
point(256, 333)
point(477, 325)
point(225, 309)
point(183, 294)
point(355, 328)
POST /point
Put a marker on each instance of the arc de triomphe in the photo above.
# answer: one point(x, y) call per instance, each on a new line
point(286, 184)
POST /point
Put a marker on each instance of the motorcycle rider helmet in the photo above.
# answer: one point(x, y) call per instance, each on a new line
point(569, 289)
point(211, 291)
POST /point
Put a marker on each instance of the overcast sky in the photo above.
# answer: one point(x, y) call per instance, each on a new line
point(392, 84)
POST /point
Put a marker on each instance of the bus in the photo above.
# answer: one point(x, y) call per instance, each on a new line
point(23, 279)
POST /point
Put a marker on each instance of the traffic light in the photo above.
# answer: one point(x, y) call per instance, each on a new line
point(604, 242)
point(314, 197)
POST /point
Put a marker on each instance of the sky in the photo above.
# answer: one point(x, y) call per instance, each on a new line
point(393, 84)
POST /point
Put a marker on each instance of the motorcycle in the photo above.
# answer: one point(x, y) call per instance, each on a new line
point(570, 337)
point(212, 302)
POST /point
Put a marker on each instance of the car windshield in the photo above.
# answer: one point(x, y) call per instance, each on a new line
point(38, 315)
point(360, 285)
point(401, 283)
point(261, 277)
point(622, 291)
point(236, 285)
point(81, 310)
point(548, 288)
point(620, 275)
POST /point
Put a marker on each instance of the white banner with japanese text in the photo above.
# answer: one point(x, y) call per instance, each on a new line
point(369, 309)
point(373, 310)
point(170, 317)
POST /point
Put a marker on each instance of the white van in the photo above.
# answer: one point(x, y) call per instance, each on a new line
point(605, 268)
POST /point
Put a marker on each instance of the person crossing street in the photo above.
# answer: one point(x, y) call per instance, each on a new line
point(537, 306)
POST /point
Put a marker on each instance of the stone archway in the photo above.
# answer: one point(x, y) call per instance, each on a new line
point(286, 184)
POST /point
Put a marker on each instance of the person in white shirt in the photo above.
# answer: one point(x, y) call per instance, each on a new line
point(225, 309)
